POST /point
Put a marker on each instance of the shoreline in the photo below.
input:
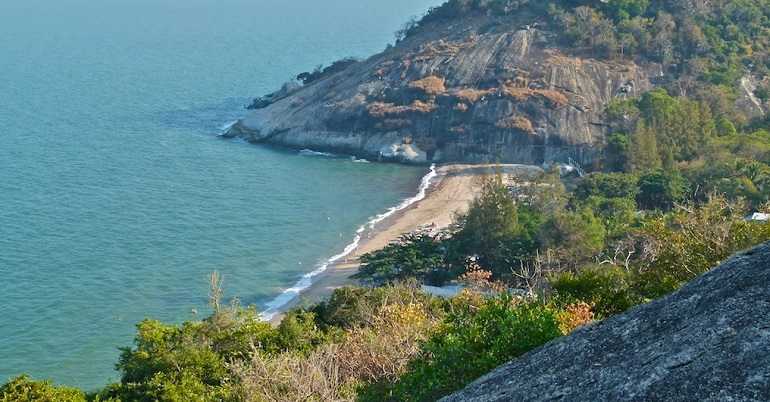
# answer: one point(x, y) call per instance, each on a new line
point(449, 192)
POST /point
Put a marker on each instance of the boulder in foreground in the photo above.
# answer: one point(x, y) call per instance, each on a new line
point(708, 341)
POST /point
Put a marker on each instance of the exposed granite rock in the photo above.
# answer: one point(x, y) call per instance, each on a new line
point(481, 70)
point(708, 341)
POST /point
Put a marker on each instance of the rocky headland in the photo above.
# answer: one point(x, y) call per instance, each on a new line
point(467, 89)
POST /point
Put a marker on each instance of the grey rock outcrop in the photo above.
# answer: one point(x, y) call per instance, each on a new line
point(708, 341)
point(474, 88)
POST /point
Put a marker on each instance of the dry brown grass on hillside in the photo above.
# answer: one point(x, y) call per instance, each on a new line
point(461, 107)
point(520, 93)
point(432, 85)
point(517, 93)
point(471, 94)
point(435, 49)
point(515, 123)
point(382, 109)
point(556, 98)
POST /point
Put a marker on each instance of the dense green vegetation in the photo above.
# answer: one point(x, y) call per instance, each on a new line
point(539, 253)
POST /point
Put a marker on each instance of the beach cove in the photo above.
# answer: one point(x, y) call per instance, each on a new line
point(444, 193)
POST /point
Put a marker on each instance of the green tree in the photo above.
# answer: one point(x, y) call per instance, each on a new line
point(643, 151)
point(23, 389)
point(491, 228)
point(572, 237)
point(413, 256)
point(660, 190)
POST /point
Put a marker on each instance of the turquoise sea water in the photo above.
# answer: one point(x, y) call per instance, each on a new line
point(117, 199)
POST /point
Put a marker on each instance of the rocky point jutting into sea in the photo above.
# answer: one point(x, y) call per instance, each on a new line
point(468, 89)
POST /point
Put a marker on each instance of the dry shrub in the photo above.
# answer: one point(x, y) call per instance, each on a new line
point(556, 98)
point(381, 109)
point(382, 350)
point(422, 107)
point(515, 123)
point(574, 316)
point(471, 94)
point(393, 124)
point(297, 102)
point(293, 377)
point(435, 49)
point(476, 279)
point(461, 107)
point(514, 90)
point(432, 85)
point(383, 68)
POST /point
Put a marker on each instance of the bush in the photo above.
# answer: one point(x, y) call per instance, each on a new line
point(430, 85)
point(605, 288)
point(515, 123)
point(352, 307)
point(470, 95)
point(381, 109)
point(382, 350)
point(293, 377)
point(22, 389)
point(480, 335)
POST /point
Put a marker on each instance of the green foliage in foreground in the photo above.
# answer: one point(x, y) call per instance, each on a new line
point(22, 389)
point(473, 340)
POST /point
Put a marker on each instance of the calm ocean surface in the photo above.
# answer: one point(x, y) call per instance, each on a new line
point(117, 199)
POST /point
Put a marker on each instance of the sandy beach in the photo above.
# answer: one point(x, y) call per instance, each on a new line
point(450, 193)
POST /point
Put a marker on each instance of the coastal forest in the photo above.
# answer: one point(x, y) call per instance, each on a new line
point(672, 195)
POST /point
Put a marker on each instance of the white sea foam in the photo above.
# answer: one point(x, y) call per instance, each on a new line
point(224, 127)
point(310, 152)
point(274, 306)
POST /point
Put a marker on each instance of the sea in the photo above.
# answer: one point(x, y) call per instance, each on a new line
point(118, 198)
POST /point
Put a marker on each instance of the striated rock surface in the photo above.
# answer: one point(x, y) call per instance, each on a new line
point(478, 87)
point(708, 341)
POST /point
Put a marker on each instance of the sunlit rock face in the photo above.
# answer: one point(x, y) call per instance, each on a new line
point(472, 89)
point(708, 341)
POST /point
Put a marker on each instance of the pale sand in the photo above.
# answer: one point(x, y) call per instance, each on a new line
point(449, 194)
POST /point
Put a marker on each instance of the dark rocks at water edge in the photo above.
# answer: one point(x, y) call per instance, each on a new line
point(264, 101)
point(708, 341)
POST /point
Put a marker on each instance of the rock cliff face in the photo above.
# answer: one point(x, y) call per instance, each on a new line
point(498, 88)
point(708, 341)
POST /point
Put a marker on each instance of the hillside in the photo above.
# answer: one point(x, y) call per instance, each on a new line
point(519, 83)
point(478, 86)
point(708, 341)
